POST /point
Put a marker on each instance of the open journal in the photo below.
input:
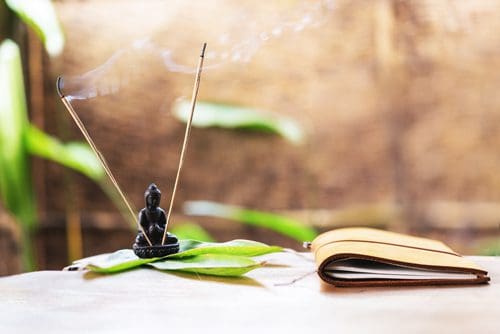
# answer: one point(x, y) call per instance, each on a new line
point(371, 257)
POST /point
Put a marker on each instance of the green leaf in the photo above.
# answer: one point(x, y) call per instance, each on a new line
point(75, 155)
point(118, 261)
point(40, 15)
point(191, 231)
point(15, 181)
point(209, 264)
point(491, 248)
point(16, 190)
point(234, 117)
point(126, 259)
point(283, 225)
point(238, 247)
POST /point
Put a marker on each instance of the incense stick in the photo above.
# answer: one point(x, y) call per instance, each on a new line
point(98, 154)
point(186, 137)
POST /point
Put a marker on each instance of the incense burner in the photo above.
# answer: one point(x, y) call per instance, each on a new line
point(152, 238)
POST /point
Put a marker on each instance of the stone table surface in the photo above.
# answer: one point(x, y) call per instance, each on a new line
point(270, 299)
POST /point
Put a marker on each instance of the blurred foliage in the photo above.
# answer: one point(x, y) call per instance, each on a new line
point(18, 138)
point(491, 248)
point(40, 15)
point(75, 155)
point(234, 117)
point(241, 118)
point(15, 185)
point(191, 231)
point(283, 225)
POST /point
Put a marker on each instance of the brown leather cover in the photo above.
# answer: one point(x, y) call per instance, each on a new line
point(391, 248)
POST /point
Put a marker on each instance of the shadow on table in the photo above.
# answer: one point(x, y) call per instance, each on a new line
point(329, 288)
point(241, 280)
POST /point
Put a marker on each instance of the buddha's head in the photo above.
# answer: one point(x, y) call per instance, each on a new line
point(152, 196)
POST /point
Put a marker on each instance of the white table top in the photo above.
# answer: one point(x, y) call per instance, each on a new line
point(150, 301)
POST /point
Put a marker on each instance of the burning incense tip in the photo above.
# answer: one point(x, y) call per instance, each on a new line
point(203, 50)
point(59, 83)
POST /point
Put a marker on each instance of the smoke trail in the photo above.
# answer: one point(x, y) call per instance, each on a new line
point(126, 65)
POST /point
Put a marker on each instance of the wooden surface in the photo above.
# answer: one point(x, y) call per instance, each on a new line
point(149, 301)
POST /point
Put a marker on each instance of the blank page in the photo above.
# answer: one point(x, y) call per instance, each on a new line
point(364, 269)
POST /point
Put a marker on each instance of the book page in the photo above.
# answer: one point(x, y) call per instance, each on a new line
point(365, 269)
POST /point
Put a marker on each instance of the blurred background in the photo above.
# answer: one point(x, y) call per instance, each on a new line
point(312, 115)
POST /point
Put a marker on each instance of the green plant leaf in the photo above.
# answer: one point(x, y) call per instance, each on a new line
point(490, 248)
point(209, 264)
point(75, 155)
point(41, 16)
point(14, 171)
point(234, 117)
point(191, 231)
point(16, 189)
point(283, 225)
point(118, 261)
point(238, 247)
point(126, 259)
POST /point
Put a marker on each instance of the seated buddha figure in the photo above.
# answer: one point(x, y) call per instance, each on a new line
point(152, 220)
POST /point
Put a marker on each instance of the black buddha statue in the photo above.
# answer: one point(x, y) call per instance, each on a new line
point(152, 220)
